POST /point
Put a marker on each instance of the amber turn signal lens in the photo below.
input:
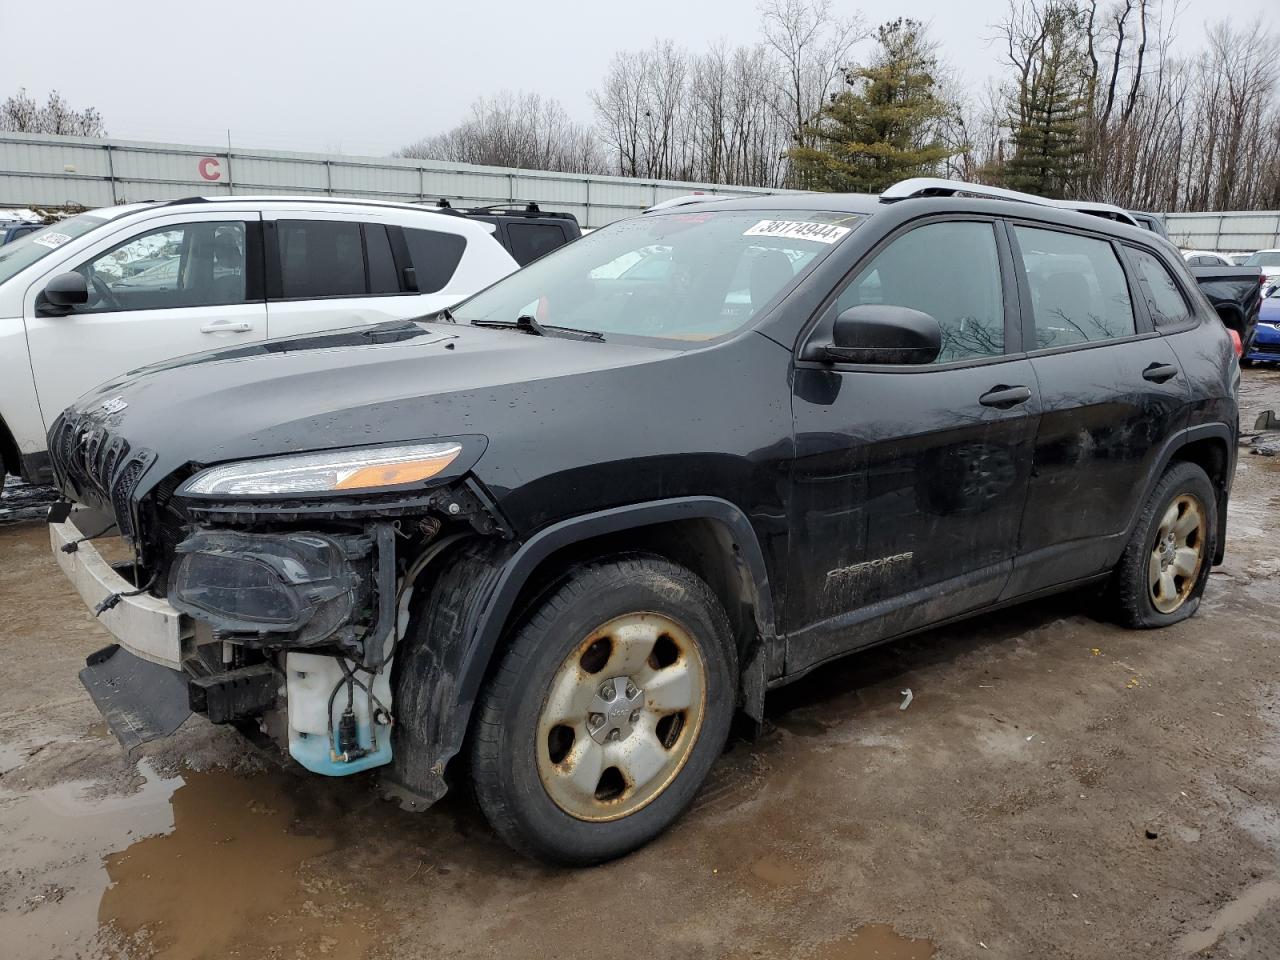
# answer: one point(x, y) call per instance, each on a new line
point(395, 474)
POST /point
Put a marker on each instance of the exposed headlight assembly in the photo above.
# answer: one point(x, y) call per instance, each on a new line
point(334, 471)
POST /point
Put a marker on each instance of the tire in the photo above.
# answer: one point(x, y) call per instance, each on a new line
point(1183, 494)
point(568, 708)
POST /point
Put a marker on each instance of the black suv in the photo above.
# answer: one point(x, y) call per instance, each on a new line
point(574, 525)
point(526, 230)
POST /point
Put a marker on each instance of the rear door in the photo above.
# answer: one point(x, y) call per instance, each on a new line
point(332, 269)
point(909, 481)
point(1112, 392)
point(179, 284)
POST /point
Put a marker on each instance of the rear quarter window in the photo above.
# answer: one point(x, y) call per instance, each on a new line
point(1164, 299)
point(435, 257)
point(529, 241)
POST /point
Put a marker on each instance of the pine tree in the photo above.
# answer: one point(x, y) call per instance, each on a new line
point(1050, 112)
point(884, 128)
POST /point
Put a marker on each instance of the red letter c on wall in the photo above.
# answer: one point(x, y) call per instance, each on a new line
point(208, 168)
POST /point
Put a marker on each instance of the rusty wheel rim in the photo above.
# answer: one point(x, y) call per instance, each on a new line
point(1177, 555)
point(621, 717)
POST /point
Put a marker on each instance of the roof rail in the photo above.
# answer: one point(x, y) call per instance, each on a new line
point(936, 187)
point(686, 200)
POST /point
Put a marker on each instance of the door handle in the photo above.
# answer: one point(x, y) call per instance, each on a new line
point(1002, 397)
point(1160, 372)
point(227, 326)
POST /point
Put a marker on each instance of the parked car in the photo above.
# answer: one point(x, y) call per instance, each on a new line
point(1269, 261)
point(1150, 221)
point(11, 230)
point(1238, 259)
point(91, 297)
point(1266, 344)
point(526, 230)
point(1236, 294)
point(1205, 258)
point(568, 528)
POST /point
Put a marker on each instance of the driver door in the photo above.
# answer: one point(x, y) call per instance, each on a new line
point(179, 285)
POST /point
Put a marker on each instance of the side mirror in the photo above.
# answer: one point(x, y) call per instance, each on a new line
point(410, 277)
point(64, 292)
point(880, 333)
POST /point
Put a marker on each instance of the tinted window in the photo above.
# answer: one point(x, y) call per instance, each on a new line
point(1160, 290)
point(1078, 289)
point(320, 258)
point(529, 241)
point(382, 265)
point(190, 265)
point(950, 271)
point(435, 257)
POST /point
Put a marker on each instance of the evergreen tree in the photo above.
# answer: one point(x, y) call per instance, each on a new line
point(1050, 111)
point(884, 128)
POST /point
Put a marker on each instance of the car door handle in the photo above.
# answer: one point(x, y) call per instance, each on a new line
point(1160, 372)
point(227, 326)
point(1002, 397)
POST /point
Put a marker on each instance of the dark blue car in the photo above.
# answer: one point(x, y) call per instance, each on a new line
point(1266, 343)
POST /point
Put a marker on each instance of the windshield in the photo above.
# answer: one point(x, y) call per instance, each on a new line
point(687, 276)
point(1264, 258)
point(23, 252)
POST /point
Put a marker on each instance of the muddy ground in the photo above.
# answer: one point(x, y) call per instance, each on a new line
point(1058, 787)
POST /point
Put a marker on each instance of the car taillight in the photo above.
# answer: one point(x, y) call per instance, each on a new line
point(1235, 342)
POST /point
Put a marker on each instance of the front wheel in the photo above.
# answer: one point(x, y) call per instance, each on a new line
point(606, 713)
point(1163, 570)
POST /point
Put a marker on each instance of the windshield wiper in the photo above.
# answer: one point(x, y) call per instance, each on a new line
point(531, 325)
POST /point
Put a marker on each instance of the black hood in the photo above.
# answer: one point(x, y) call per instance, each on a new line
point(392, 382)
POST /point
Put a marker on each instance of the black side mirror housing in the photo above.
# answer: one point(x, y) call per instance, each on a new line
point(882, 333)
point(64, 293)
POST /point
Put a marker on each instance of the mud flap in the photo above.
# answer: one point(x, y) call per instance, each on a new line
point(140, 700)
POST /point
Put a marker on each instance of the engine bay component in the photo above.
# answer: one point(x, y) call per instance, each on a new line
point(336, 727)
point(275, 589)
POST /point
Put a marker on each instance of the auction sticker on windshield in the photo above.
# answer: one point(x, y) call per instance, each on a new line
point(797, 230)
point(51, 240)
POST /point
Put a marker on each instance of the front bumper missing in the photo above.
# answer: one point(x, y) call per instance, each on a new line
point(145, 626)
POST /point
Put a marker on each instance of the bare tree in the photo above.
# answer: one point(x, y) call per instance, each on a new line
point(515, 130)
point(813, 46)
point(21, 113)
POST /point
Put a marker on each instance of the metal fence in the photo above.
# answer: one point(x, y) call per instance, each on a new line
point(1229, 232)
point(40, 170)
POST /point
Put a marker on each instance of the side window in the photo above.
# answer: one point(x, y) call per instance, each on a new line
point(949, 270)
point(435, 257)
point(187, 265)
point(1078, 288)
point(1164, 299)
point(320, 258)
point(529, 241)
point(382, 265)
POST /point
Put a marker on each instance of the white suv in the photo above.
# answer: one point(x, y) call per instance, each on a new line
point(108, 291)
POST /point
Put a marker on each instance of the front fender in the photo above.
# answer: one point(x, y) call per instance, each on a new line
point(461, 619)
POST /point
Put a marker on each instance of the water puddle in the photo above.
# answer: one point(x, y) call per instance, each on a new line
point(876, 941)
point(207, 864)
point(1235, 914)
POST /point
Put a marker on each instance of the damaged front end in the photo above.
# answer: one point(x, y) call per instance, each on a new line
point(293, 575)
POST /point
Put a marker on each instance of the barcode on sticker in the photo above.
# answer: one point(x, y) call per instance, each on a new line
point(797, 230)
point(51, 240)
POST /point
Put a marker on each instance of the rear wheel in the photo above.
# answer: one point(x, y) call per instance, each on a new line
point(1165, 566)
point(606, 713)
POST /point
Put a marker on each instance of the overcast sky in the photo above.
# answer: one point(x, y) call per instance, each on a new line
point(367, 77)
